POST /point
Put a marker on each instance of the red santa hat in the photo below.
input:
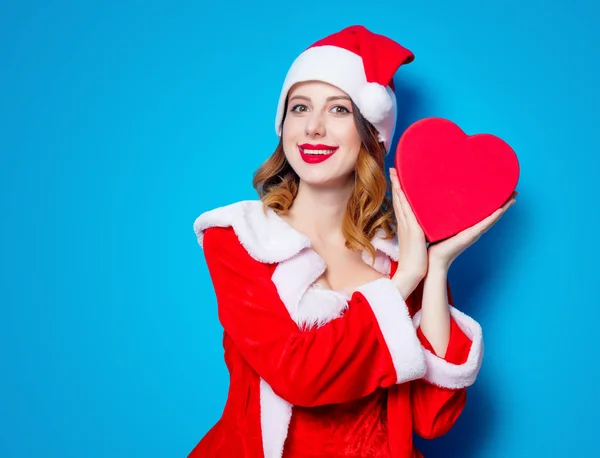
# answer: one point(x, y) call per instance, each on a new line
point(360, 63)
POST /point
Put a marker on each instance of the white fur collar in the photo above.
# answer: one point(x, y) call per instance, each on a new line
point(268, 238)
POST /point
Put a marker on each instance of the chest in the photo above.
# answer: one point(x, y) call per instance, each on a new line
point(314, 291)
point(345, 269)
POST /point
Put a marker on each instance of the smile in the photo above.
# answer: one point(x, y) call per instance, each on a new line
point(313, 154)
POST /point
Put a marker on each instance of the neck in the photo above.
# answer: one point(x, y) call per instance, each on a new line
point(318, 211)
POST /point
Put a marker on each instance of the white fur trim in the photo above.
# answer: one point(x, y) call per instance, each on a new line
point(384, 250)
point(308, 306)
point(396, 325)
point(382, 262)
point(267, 238)
point(387, 246)
point(442, 373)
point(345, 70)
point(387, 127)
point(275, 416)
point(321, 305)
point(270, 239)
point(374, 102)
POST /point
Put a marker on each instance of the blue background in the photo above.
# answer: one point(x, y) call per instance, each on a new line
point(121, 123)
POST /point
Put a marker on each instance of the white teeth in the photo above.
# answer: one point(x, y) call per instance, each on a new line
point(317, 151)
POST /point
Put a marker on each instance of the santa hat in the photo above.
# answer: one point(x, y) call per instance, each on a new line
point(360, 63)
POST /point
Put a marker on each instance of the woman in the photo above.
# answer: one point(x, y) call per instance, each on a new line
point(340, 334)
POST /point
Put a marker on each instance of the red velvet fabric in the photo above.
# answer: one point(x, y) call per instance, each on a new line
point(353, 429)
point(339, 377)
point(359, 428)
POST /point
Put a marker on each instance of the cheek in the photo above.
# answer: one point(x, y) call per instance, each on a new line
point(344, 130)
point(349, 135)
point(291, 127)
point(289, 139)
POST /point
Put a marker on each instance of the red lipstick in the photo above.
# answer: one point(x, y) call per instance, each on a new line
point(325, 152)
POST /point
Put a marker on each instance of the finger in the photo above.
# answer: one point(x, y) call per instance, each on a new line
point(511, 199)
point(401, 198)
point(408, 212)
point(479, 228)
point(412, 224)
point(484, 225)
point(396, 199)
point(489, 223)
point(494, 217)
point(508, 204)
point(398, 208)
point(394, 178)
point(504, 208)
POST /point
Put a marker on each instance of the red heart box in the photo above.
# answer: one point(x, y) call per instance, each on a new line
point(453, 180)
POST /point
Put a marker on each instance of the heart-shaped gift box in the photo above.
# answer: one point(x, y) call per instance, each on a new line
point(453, 180)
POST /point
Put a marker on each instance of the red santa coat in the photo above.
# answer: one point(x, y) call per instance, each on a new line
point(290, 343)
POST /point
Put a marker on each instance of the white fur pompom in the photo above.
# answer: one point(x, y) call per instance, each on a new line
point(374, 102)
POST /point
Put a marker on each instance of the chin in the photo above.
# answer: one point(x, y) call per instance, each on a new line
point(312, 181)
point(322, 179)
point(318, 174)
point(310, 176)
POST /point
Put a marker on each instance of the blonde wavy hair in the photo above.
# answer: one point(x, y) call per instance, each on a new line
point(369, 207)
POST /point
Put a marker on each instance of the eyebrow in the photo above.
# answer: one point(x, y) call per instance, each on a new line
point(329, 99)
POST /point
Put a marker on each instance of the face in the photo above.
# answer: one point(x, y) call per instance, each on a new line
point(319, 136)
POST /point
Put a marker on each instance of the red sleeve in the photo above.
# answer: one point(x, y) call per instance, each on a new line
point(436, 408)
point(459, 344)
point(370, 346)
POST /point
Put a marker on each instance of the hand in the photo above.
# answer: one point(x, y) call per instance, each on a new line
point(412, 256)
point(445, 252)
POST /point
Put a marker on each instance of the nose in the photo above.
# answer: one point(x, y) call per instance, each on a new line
point(315, 124)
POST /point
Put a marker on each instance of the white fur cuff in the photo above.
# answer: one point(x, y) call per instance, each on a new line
point(397, 328)
point(442, 373)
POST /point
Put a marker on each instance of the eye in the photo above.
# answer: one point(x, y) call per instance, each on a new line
point(303, 108)
point(343, 109)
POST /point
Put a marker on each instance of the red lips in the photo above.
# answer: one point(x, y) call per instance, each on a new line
point(315, 158)
point(319, 146)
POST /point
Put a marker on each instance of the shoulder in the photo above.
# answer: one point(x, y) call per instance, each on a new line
point(269, 239)
point(261, 232)
point(222, 240)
